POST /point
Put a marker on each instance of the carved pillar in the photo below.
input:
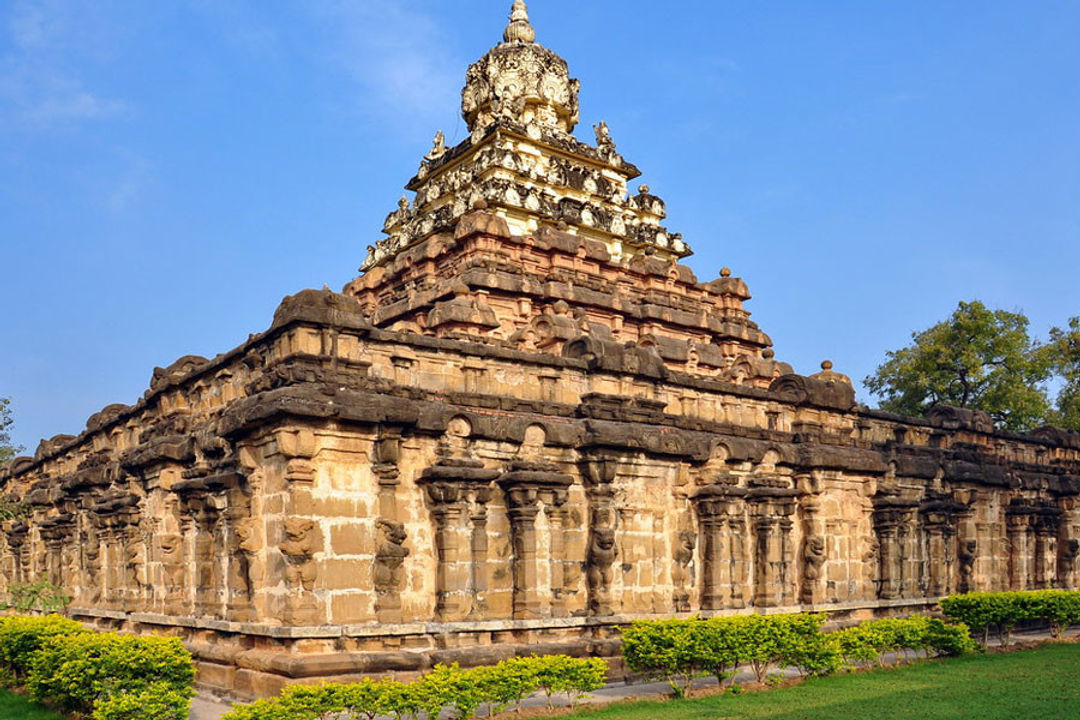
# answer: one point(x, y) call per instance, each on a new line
point(1068, 544)
point(890, 524)
point(528, 487)
point(939, 522)
point(448, 485)
point(557, 517)
point(813, 554)
point(239, 539)
point(717, 505)
point(739, 560)
point(451, 533)
point(1016, 533)
point(522, 508)
point(390, 553)
point(1045, 528)
point(774, 582)
point(478, 546)
point(136, 581)
point(599, 475)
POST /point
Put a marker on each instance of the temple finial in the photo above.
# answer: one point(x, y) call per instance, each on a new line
point(519, 29)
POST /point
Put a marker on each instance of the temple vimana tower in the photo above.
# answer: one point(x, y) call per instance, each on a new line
point(524, 424)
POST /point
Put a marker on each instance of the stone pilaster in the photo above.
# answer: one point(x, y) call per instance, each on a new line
point(772, 510)
point(891, 524)
point(599, 473)
point(448, 485)
point(721, 518)
point(530, 487)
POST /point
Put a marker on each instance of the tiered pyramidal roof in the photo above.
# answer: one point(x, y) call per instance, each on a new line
point(524, 236)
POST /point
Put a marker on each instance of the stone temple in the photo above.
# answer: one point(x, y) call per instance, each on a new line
point(524, 424)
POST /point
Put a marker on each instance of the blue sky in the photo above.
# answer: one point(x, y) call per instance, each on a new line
point(169, 170)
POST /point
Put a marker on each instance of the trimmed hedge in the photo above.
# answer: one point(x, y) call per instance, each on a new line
point(76, 672)
point(21, 637)
point(104, 676)
point(445, 688)
point(679, 651)
point(1004, 610)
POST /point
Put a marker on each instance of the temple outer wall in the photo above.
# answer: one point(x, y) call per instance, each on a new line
point(335, 500)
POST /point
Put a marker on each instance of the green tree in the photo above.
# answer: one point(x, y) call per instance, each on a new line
point(7, 449)
point(978, 358)
point(1063, 355)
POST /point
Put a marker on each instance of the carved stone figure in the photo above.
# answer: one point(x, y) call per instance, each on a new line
point(602, 554)
point(603, 136)
point(298, 548)
point(438, 148)
point(813, 559)
point(681, 576)
point(389, 560)
point(967, 554)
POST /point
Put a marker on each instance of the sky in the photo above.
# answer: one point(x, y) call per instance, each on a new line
point(169, 170)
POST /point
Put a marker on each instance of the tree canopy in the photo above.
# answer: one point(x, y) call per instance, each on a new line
point(1063, 355)
point(977, 358)
point(7, 449)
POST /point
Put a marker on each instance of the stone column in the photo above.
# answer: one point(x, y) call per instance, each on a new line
point(1045, 530)
point(774, 582)
point(714, 508)
point(479, 497)
point(891, 520)
point(451, 540)
point(238, 539)
point(1017, 530)
point(739, 560)
point(448, 484)
point(390, 552)
point(523, 507)
point(935, 546)
point(786, 571)
point(813, 554)
point(557, 517)
point(766, 557)
point(599, 475)
point(528, 485)
point(1068, 544)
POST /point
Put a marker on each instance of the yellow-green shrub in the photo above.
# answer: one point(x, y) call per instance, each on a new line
point(445, 687)
point(22, 636)
point(75, 672)
point(1004, 610)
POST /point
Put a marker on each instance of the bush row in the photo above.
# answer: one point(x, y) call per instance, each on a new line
point(1004, 610)
point(445, 688)
point(105, 676)
point(681, 650)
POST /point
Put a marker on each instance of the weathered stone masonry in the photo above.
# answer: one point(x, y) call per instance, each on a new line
point(524, 424)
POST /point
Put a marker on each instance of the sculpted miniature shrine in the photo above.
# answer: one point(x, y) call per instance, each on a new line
point(524, 424)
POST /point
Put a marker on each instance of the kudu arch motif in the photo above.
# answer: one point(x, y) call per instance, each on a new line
point(523, 424)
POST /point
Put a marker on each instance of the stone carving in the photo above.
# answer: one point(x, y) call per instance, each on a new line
point(1067, 556)
point(602, 555)
point(438, 149)
point(681, 576)
point(813, 560)
point(301, 544)
point(967, 556)
point(389, 561)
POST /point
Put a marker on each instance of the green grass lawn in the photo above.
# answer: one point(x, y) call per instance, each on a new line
point(1039, 684)
point(14, 707)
